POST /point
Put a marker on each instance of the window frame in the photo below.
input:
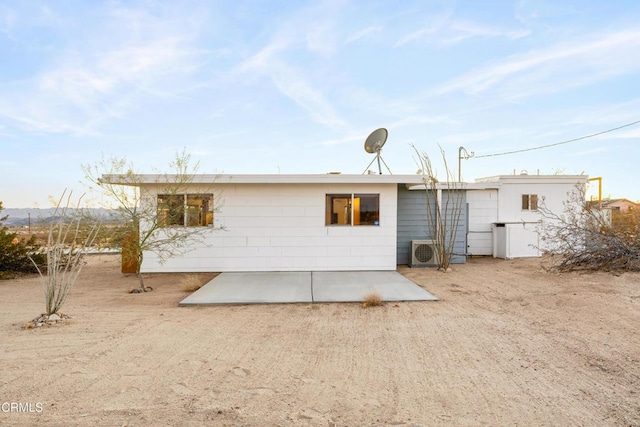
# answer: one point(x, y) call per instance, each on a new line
point(205, 210)
point(354, 201)
point(530, 202)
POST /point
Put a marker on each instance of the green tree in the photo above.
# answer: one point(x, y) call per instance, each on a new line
point(14, 252)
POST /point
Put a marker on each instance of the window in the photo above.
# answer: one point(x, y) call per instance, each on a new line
point(530, 202)
point(352, 209)
point(170, 209)
point(191, 210)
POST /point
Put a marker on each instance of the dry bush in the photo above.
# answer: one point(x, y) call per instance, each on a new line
point(191, 282)
point(70, 235)
point(372, 299)
point(581, 238)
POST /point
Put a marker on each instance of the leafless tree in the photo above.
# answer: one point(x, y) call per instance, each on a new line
point(447, 197)
point(143, 230)
point(583, 238)
point(70, 235)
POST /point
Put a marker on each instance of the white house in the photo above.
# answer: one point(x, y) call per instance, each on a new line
point(503, 211)
point(285, 222)
point(342, 222)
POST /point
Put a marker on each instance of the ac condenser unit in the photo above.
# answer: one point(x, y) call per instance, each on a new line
point(423, 253)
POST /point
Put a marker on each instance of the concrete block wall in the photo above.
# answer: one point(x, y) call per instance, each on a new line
point(281, 227)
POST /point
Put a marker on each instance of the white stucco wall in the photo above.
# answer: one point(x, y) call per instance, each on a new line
point(281, 227)
point(523, 226)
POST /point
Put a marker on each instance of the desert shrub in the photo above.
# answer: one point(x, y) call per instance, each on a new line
point(14, 253)
point(65, 260)
point(581, 238)
point(191, 282)
point(372, 299)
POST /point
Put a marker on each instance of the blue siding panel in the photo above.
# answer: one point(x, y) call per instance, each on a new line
point(413, 222)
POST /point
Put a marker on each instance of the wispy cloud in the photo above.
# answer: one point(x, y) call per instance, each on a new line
point(7, 20)
point(443, 30)
point(476, 137)
point(629, 134)
point(556, 68)
point(99, 77)
point(589, 152)
point(363, 34)
point(461, 30)
point(292, 82)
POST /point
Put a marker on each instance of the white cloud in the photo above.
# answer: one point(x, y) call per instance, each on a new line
point(590, 152)
point(466, 30)
point(8, 20)
point(363, 34)
point(291, 82)
point(443, 31)
point(104, 75)
point(475, 137)
point(628, 134)
point(556, 68)
point(321, 38)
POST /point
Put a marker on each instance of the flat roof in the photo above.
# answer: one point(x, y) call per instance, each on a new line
point(329, 178)
point(560, 179)
point(411, 181)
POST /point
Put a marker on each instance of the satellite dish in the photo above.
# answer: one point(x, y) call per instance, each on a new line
point(376, 140)
point(373, 145)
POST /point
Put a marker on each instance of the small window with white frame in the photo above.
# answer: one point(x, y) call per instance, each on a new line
point(529, 202)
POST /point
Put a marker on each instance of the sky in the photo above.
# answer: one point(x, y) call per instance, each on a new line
point(297, 86)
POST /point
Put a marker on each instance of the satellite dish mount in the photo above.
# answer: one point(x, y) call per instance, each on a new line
point(373, 145)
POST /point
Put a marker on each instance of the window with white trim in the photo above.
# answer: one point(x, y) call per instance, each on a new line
point(529, 202)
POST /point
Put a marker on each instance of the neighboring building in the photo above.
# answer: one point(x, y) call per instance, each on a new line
point(622, 205)
point(344, 222)
point(617, 213)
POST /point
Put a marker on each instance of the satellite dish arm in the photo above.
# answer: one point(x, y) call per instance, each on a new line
point(367, 168)
point(385, 165)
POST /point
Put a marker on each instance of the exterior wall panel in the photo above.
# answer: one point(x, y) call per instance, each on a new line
point(281, 227)
point(413, 223)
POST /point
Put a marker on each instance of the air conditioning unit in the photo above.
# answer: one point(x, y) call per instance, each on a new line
point(423, 253)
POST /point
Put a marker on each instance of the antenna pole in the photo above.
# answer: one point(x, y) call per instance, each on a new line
point(386, 166)
point(462, 154)
point(367, 168)
point(379, 168)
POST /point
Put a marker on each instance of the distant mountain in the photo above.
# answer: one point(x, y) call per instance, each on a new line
point(18, 217)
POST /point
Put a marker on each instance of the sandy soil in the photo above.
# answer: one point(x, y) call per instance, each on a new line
point(507, 344)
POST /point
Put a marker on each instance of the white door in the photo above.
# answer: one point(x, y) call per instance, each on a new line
point(482, 213)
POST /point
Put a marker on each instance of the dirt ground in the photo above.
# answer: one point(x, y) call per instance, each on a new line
point(507, 344)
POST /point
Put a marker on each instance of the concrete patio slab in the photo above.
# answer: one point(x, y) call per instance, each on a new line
point(306, 287)
point(352, 286)
point(253, 288)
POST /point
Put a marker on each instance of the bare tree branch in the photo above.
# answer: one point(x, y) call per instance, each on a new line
point(445, 219)
point(583, 238)
point(137, 208)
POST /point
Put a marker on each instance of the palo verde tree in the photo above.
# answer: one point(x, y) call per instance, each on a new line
point(155, 213)
point(444, 205)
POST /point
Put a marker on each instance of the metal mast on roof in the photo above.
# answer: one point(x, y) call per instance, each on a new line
point(374, 144)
